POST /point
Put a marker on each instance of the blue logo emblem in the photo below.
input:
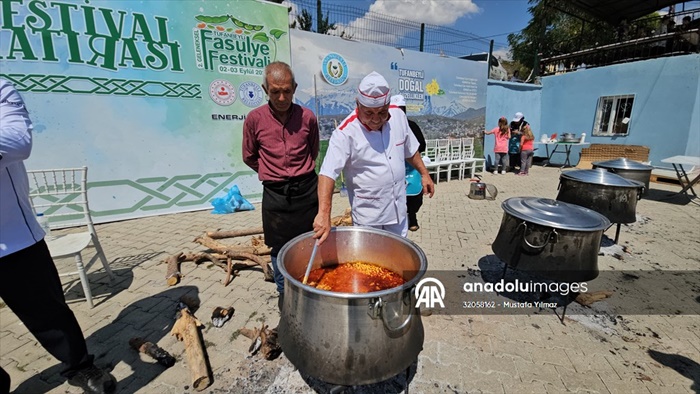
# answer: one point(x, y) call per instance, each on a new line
point(334, 69)
point(251, 94)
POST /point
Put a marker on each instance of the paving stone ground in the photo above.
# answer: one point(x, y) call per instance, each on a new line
point(600, 352)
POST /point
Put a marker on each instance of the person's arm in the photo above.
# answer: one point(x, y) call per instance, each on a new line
point(322, 221)
point(418, 133)
point(250, 145)
point(417, 162)
point(333, 163)
point(314, 137)
point(15, 126)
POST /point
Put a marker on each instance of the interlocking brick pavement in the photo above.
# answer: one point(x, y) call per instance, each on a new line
point(474, 353)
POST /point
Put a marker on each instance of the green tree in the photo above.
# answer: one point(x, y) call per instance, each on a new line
point(305, 21)
point(557, 28)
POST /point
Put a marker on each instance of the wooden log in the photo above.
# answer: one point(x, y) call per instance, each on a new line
point(264, 340)
point(173, 273)
point(234, 233)
point(218, 247)
point(186, 329)
point(231, 268)
point(343, 220)
point(586, 299)
point(173, 262)
point(262, 262)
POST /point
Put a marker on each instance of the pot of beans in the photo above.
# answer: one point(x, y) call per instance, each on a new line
point(355, 321)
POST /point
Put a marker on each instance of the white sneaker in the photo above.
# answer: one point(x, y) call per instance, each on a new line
point(494, 172)
point(503, 172)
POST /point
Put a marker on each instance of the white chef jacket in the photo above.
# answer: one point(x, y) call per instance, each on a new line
point(18, 226)
point(374, 167)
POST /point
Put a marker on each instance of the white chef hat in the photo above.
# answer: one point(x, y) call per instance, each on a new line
point(398, 100)
point(373, 91)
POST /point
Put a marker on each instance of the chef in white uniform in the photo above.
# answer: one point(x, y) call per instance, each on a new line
point(371, 146)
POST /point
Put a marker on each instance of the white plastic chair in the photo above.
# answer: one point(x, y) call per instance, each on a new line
point(441, 163)
point(467, 158)
point(430, 149)
point(61, 195)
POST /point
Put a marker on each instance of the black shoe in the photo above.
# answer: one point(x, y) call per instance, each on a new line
point(94, 380)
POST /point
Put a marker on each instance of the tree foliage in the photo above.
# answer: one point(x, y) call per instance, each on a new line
point(557, 28)
point(305, 21)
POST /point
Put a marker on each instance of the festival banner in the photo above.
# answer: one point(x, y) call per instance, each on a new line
point(445, 96)
point(151, 95)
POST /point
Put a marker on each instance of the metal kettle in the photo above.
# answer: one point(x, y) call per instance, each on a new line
point(481, 191)
point(477, 191)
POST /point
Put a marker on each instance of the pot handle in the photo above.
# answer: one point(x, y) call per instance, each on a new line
point(377, 310)
point(553, 237)
point(641, 191)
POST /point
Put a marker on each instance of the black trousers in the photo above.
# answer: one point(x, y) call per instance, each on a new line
point(31, 288)
point(413, 204)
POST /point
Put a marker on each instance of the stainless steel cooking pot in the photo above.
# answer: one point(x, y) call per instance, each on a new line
point(604, 192)
point(350, 338)
point(628, 169)
point(569, 137)
point(550, 238)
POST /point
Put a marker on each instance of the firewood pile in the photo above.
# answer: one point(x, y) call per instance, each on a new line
point(233, 258)
point(230, 258)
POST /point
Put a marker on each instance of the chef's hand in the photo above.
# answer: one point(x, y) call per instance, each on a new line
point(428, 185)
point(322, 227)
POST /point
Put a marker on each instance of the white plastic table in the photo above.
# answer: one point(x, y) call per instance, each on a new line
point(567, 149)
point(678, 162)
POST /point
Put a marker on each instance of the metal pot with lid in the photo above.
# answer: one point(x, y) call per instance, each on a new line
point(628, 169)
point(604, 192)
point(552, 238)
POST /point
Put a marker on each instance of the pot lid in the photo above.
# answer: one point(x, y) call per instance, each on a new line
point(600, 176)
point(556, 214)
point(623, 164)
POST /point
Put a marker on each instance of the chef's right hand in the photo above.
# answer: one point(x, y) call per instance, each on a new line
point(322, 227)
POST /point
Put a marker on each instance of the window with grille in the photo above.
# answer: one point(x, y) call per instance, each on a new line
point(613, 115)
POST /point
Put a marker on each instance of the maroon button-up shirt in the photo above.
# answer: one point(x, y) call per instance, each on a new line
point(280, 151)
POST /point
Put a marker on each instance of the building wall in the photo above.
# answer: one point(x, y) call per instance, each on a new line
point(505, 99)
point(693, 148)
point(665, 116)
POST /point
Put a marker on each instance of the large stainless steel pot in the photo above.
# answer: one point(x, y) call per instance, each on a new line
point(628, 169)
point(604, 192)
point(349, 338)
point(550, 238)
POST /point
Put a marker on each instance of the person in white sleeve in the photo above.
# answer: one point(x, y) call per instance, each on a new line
point(371, 147)
point(29, 282)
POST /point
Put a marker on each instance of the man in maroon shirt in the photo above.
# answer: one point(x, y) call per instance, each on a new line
point(281, 142)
